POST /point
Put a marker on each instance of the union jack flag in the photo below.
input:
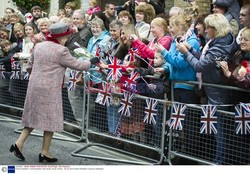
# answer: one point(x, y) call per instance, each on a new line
point(15, 70)
point(26, 75)
point(98, 52)
point(131, 55)
point(126, 104)
point(242, 118)
point(178, 115)
point(150, 111)
point(130, 83)
point(208, 119)
point(114, 69)
point(134, 50)
point(72, 80)
point(2, 72)
point(103, 97)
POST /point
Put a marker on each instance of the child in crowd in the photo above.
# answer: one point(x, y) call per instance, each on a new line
point(9, 50)
point(144, 14)
point(159, 84)
point(6, 22)
point(61, 13)
point(93, 7)
point(27, 47)
point(69, 8)
point(4, 33)
point(157, 88)
point(125, 18)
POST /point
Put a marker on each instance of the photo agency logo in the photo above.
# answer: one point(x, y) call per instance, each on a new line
point(4, 169)
point(11, 169)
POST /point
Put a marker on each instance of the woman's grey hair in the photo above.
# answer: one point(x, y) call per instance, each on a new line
point(43, 20)
point(97, 21)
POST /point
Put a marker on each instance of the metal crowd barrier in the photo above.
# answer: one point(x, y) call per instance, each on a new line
point(223, 148)
point(126, 139)
point(135, 141)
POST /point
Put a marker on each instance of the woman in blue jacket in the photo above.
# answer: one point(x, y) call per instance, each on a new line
point(178, 67)
point(180, 70)
point(98, 41)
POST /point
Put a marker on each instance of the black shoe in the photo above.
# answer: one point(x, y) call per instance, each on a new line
point(43, 157)
point(16, 151)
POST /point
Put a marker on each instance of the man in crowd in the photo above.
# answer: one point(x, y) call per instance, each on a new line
point(36, 12)
point(244, 19)
point(80, 22)
point(110, 12)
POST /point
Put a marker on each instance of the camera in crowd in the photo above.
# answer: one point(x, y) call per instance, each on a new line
point(220, 59)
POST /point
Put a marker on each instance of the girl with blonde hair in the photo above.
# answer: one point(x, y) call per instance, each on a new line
point(159, 29)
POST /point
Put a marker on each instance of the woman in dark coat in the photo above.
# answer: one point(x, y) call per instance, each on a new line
point(221, 46)
point(239, 73)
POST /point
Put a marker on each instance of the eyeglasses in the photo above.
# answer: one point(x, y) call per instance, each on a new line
point(210, 27)
point(244, 39)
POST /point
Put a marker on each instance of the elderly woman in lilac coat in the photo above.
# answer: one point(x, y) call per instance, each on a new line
point(43, 104)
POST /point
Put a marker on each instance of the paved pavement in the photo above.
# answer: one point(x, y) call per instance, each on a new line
point(60, 149)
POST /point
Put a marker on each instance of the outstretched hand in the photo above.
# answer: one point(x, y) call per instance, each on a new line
point(129, 70)
point(224, 68)
point(16, 56)
point(103, 65)
point(181, 48)
point(159, 70)
point(151, 86)
point(95, 60)
point(133, 37)
point(159, 47)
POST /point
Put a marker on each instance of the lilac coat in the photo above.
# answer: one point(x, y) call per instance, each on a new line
point(43, 103)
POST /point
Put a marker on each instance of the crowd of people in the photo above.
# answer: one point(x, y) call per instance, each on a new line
point(183, 45)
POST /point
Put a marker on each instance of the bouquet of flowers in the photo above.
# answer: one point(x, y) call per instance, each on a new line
point(244, 69)
point(81, 52)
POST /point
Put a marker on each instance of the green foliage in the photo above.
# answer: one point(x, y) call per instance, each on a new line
point(78, 4)
point(28, 4)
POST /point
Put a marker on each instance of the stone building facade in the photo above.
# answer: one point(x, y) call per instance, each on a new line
point(204, 5)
